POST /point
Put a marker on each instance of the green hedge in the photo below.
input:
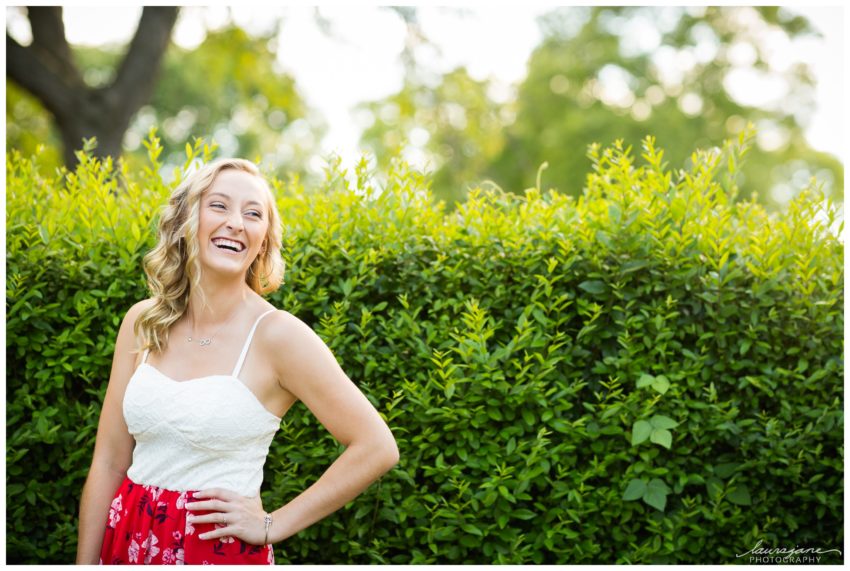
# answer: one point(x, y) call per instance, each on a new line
point(652, 373)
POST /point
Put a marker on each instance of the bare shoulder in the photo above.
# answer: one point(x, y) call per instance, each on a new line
point(127, 343)
point(133, 313)
point(137, 308)
point(281, 328)
point(295, 350)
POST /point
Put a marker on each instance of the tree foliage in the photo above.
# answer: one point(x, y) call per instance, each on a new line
point(609, 73)
point(457, 122)
point(228, 89)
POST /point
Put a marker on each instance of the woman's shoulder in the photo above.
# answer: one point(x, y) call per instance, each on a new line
point(142, 305)
point(281, 327)
point(277, 322)
point(137, 309)
point(128, 340)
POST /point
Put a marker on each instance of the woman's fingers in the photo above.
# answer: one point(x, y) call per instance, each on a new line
point(212, 505)
point(217, 517)
point(232, 514)
point(215, 493)
point(217, 533)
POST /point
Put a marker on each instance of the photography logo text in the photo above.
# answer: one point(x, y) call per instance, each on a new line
point(788, 555)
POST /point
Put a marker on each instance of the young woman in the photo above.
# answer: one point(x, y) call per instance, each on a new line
point(202, 374)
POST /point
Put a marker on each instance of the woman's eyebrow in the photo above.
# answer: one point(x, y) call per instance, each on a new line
point(216, 193)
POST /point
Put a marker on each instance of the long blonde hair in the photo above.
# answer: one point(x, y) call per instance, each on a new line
point(173, 267)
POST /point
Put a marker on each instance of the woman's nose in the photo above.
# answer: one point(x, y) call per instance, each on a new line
point(234, 221)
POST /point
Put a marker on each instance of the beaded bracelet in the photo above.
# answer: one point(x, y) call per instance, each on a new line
point(268, 521)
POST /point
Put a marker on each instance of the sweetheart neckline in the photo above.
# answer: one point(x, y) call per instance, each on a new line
point(232, 377)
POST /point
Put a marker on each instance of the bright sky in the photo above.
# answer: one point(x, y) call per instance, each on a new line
point(359, 61)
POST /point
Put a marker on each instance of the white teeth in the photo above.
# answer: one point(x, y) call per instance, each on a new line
point(225, 242)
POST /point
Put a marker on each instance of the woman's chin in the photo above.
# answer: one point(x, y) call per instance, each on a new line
point(224, 267)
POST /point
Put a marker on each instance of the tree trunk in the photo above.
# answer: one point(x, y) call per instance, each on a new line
point(46, 69)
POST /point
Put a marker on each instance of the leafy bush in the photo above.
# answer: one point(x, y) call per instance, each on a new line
point(652, 373)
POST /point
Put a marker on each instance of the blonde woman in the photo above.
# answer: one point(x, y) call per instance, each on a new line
point(203, 372)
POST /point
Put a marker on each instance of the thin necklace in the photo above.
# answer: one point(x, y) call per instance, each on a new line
point(204, 341)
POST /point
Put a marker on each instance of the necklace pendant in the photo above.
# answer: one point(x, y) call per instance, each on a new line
point(203, 342)
point(189, 339)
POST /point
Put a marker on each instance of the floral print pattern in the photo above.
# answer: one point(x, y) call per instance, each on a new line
point(147, 526)
point(115, 511)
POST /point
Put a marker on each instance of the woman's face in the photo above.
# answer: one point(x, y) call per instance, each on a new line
point(233, 222)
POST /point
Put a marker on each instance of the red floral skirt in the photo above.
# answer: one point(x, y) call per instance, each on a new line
point(147, 526)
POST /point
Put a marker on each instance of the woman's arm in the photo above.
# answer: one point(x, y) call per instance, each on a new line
point(307, 368)
point(113, 449)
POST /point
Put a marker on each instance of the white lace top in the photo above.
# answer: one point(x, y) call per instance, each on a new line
point(207, 432)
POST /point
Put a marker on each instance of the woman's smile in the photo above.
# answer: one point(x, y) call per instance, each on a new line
point(229, 246)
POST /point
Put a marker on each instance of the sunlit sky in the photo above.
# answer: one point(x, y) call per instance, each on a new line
point(359, 60)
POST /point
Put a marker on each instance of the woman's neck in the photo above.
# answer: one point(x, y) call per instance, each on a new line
point(221, 303)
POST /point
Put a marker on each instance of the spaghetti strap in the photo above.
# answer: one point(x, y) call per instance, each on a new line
point(241, 360)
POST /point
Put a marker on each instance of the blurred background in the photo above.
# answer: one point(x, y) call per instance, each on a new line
point(468, 94)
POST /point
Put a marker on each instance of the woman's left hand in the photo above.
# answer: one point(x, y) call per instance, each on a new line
point(236, 516)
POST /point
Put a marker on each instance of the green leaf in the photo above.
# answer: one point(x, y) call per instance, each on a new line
point(635, 490)
point(633, 266)
point(614, 212)
point(714, 487)
point(655, 499)
point(740, 496)
point(640, 431)
point(469, 528)
point(593, 286)
point(661, 384)
point(661, 421)
point(726, 470)
point(503, 491)
point(658, 484)
point(611, 411)
point(645, 381)
point(14, 489)
point(662, 437)
point(656, 494)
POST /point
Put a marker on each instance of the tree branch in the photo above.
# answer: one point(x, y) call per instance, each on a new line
point(43, 76)
point(134, 83)
point(48, 36)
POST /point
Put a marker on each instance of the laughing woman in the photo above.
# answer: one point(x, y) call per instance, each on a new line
point(203, 372)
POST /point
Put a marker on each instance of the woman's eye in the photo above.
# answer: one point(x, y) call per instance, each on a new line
point(255, 213)
point(217, 205)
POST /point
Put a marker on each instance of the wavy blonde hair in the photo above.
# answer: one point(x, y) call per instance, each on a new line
point(173, 267)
